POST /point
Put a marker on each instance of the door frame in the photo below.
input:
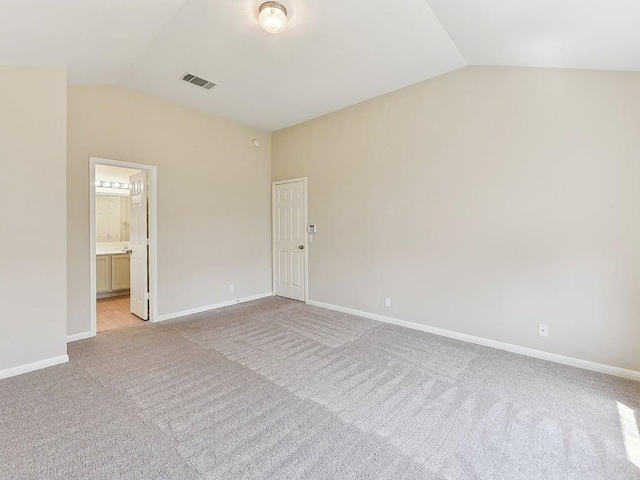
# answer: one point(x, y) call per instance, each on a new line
point(152, 173)
point(305, 236)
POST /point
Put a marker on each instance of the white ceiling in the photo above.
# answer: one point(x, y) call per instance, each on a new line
point(98, 40)
point(592, 34)
point(333, 53)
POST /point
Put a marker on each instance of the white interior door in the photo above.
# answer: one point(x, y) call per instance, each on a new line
point(289, 239)
point(139, 246)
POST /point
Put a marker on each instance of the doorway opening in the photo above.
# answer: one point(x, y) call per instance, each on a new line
point(123, 232)
point(290, 239)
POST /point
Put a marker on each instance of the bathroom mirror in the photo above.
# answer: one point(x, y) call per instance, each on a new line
point(112, 218)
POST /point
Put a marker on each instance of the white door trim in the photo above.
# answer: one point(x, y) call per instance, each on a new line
point(153, 234)
point(305, 237)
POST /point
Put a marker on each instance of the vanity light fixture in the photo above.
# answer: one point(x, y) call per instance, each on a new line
point(115, 185)
point(273, 17)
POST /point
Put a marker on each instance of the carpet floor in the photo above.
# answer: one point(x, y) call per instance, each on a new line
point(275, 389)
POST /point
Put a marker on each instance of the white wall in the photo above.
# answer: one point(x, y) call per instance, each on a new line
point(32, 216)
point(214, 195)
point(484, 201)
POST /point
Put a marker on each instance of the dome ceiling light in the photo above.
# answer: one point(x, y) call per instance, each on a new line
point(273, 17)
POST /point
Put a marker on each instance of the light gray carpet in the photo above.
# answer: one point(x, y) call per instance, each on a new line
point(275, 389)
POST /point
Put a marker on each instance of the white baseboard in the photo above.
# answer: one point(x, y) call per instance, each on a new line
point(30, 367)
point(193, 311)
point(529, 352)
point(78, 336)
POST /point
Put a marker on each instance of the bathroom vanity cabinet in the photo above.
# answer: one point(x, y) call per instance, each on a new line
point(112, 273)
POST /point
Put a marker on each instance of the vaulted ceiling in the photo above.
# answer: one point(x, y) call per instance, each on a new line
point(334, 53)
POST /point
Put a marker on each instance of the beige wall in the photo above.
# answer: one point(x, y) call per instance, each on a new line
point(484, 201)
point(32, 215)
point(213, 196)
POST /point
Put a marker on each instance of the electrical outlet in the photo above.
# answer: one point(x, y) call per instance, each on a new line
point(232, 287)
point(543, 330)
point(387, 302)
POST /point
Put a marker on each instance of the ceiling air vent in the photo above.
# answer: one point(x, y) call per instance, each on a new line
point(198, 81)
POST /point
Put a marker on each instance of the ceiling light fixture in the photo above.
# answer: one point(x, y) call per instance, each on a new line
point(273, 17)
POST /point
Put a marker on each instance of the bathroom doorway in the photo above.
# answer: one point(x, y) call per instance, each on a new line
point(123, 244)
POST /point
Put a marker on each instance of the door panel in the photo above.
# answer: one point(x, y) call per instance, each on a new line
point(290, 239)
point(103, 273)
point(296, 224)
point(120, 272)
point(296, 269)
point(283, 277)
point(283, 228)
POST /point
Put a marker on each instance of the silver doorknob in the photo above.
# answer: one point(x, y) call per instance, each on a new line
point(301, 247)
